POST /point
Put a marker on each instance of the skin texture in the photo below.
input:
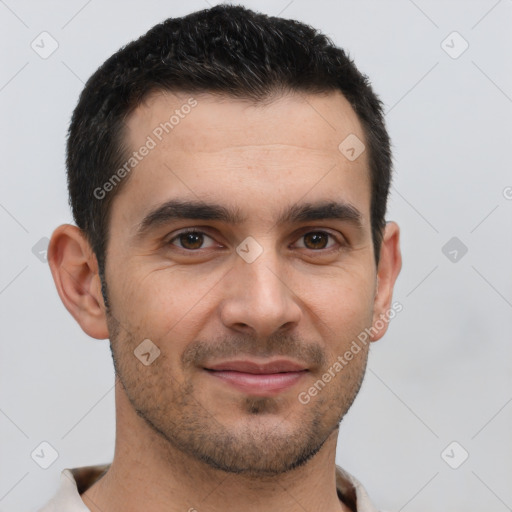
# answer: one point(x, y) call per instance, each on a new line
point(185, 438)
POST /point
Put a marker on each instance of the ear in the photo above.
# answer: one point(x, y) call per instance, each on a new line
point(390, 263)
point(75, 271)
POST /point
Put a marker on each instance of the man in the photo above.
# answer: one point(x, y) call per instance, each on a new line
point(228, 174)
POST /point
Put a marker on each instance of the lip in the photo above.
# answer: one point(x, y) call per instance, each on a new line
point(258, 378)
point(254, 367)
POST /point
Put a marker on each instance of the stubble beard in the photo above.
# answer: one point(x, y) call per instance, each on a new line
point(264, 443)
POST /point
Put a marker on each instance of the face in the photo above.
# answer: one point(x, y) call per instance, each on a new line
point(241, 247)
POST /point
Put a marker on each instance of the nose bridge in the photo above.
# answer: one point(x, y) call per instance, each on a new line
point(260, 298)
point(263, 279)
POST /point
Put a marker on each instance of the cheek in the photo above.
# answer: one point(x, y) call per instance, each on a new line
point(341, 307)
point(163, 304)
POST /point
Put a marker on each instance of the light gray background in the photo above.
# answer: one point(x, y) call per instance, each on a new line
point(442, 373)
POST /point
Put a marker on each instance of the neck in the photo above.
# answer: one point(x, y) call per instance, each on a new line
point(148, 473)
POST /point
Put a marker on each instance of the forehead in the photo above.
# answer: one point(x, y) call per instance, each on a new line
point(202, 122)
point(242, 153)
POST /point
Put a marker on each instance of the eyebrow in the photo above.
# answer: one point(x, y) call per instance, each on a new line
point(199, 210)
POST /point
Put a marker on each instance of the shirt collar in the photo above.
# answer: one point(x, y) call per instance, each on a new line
point(75, 481)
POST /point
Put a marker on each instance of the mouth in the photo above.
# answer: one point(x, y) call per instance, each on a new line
point(258, 378)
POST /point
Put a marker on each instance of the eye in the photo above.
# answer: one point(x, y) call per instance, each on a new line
point(195, 240)
point(317, 240)
point(191, 240)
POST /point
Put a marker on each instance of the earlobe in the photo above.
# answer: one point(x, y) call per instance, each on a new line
point(390, 263)
point(75, 271)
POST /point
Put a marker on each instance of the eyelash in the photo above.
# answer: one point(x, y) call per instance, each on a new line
point(196, 231)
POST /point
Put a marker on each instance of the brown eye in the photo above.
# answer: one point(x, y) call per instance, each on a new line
point(316, 240)
point(191, 240)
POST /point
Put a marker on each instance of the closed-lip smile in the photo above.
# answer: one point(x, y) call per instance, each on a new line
point(258, 378)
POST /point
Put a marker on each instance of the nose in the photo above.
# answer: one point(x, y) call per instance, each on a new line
point(259, 300)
